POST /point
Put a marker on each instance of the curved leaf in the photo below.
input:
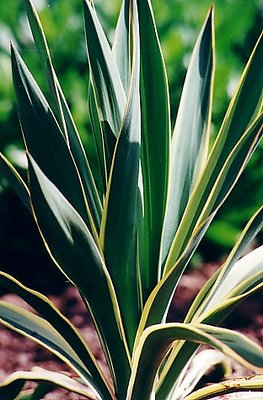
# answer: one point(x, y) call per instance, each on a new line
point(252, 386)
point(250, 231)
point(62, 325)
point(12, 386)
point(72, 247)
point(156, 341)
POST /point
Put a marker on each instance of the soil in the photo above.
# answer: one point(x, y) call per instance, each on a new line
point(19, 353)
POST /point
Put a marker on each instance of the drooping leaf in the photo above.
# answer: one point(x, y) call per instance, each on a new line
point(42, 332)
point(250, 388)
point(62, 325)
point(156, 341)
point(12, 386)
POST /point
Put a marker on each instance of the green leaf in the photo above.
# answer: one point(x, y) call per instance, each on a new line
point(105, 78)
point(190, 139)
point(43, 137)
point(62, 325)
point(65, 119)
point(239, 125)
point(155, 143)
point(204, 296)
point(42, 332)
point(156, 341)
point(121, 45)
point(225, 305)
point(104, 158)
point(15, 181)
point(12, 386)
point(118, 232)
point(72, 247)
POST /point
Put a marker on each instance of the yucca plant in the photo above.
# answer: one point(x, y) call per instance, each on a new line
point(124, 240)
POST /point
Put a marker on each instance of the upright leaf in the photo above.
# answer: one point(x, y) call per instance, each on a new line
point(43, 136)
point(15, 180)
point(121, 45)
point(191, 133)
point(240, 117)
point(155, 143)
point(65, 119)
point(105, 78)
point(118, 234)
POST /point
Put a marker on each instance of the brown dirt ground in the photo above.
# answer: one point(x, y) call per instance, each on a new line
point(19, 353)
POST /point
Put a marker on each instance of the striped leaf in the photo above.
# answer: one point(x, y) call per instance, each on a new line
point(64, 117)
point(189, 146)
point(118, 232)
point(72, 247)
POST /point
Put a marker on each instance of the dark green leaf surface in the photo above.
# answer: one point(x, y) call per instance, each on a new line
point(43, 137)
point(156, 341)
point(51, 314)
point(118, 233)
point(74, 250)
point(105, 78)
point(15, 180)
point(155, 143)
point(65, 119)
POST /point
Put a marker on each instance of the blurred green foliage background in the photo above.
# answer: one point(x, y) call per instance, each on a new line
point(238, 24)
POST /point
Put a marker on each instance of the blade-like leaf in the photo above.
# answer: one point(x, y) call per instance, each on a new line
point(72, 247)
point(12, 386)
point(105, 78)
point(121, 45)
point(43, 136)
point(15, 180)
point(155, 143)
point(237, 121)
point(156, 341)
point(191, 133)
point(62, 325)
point(64, 117)
point(248, 234)
point(118, 234)
point(42, 332)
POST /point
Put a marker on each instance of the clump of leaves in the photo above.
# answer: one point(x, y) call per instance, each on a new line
point(125, 243)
